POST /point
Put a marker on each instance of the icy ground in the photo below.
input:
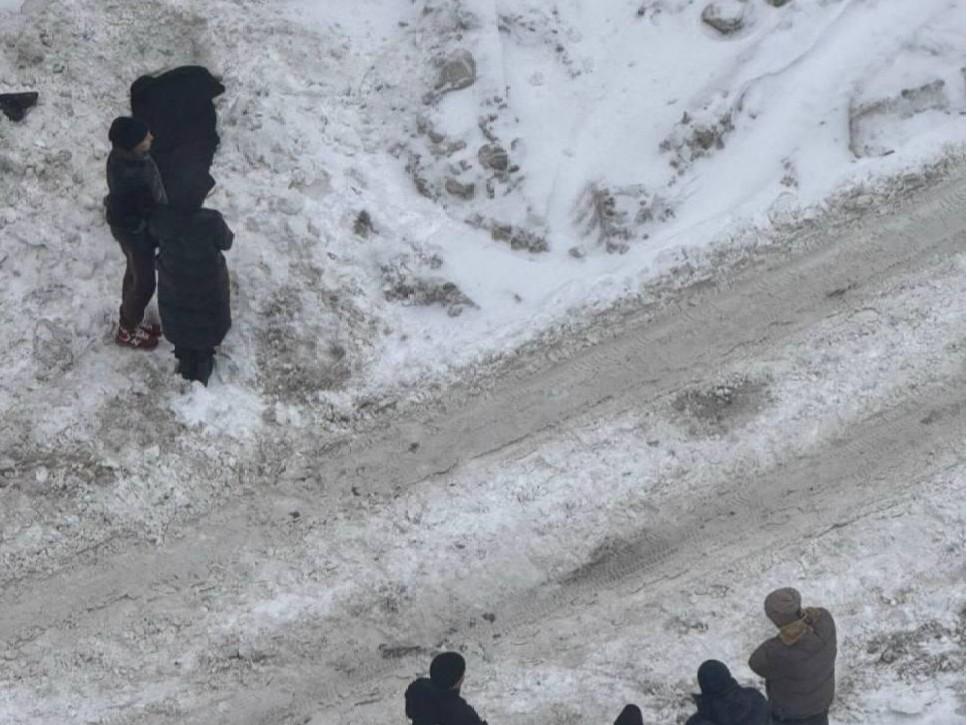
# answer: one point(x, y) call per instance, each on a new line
point(398, 233)
point(633, 134)
point(586, 534)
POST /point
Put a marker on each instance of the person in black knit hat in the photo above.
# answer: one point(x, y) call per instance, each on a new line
point(436, 700)
point(134, 190)
point(724, 702)
point(631, 715)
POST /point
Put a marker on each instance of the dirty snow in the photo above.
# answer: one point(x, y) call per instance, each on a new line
point(337, 606)
point(632, 133)
point(403, 221)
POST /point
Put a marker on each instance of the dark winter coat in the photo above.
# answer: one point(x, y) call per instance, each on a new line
point(428, 705)
point(134, 187)
point(193, 291)
point(177, 106)
point(799, 665)
point(736, 706)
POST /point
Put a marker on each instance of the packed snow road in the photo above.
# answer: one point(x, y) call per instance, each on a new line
point(586, 528)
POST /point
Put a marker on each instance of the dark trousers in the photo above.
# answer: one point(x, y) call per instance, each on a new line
point(821, 719)
point(195, 364)
point(139, 275)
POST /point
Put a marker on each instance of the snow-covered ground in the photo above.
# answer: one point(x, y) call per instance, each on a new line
point(397, 233)
point(641, 144)
point(634, 135)
point(586, 564)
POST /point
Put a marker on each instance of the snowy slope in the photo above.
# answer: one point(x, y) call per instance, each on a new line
point(586, 558)
point(589, 102)
point(642, 147)
point(633, 127)
point(638, 141)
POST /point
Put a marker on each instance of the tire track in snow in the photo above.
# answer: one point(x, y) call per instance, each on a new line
point(662, 352)
point(907, 443)
point(672, 349)
point(896, 431)
point(705, 329)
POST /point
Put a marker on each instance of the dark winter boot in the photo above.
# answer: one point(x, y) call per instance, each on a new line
point(195, 364)
point(186, 363)
point(204, 368)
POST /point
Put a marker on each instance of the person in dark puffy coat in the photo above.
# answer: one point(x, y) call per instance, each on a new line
point(193, 285)
point(799, 663)
point(436, 700)
point(135, 188)
point(723, 702)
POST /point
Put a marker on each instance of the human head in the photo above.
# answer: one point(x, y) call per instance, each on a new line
point(130, 134)
point(631, 715)
point(446, 670)
point(714, 678)
point(783, 606)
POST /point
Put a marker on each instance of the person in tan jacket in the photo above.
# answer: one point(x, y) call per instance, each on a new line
point(798, 664)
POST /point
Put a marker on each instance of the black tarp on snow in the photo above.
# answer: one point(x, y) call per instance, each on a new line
point(14, 105)
point(177, 106)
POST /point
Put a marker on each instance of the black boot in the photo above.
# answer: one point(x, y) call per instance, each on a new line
point(186, 363)
point(195, 364)
point(204, 365)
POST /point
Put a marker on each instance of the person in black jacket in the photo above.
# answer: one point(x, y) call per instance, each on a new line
point(193, 287)
point(724, 702)
point(436, 700)
point(134, 190)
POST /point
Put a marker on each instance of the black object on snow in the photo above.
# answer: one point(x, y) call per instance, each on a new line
point(177, 106)
point(15, 105)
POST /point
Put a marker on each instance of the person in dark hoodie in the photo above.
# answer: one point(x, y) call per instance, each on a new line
point(193, 287)
point(799, 663)
point(134, 190)
point(631, 715)
point(436, 700)
point(723, 702)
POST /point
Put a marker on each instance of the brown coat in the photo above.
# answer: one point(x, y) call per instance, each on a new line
point(798, 665)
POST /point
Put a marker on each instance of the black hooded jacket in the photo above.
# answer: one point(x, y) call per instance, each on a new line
point(193, 289)
point(735, 706)
point(134, 189)
point(428, 705)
